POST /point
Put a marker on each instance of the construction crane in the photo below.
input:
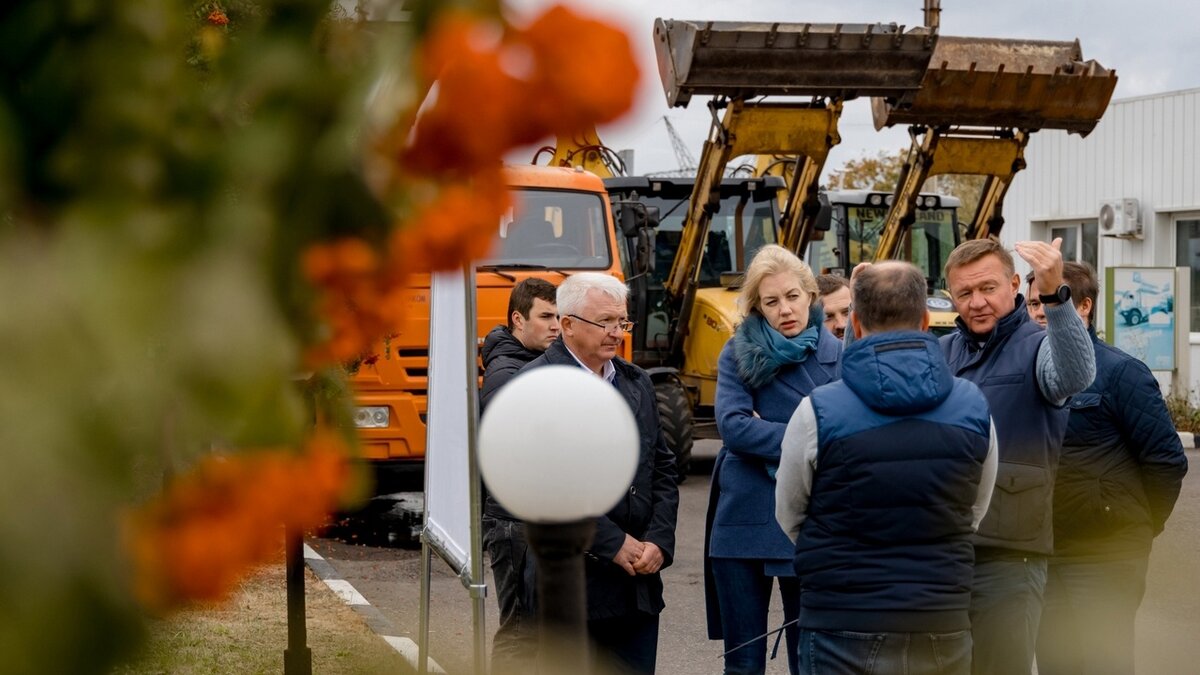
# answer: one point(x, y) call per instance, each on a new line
point(683, 157)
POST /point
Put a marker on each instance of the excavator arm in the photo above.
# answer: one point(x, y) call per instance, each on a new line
point(808, 71)
point(809, 130)
point(977, 106)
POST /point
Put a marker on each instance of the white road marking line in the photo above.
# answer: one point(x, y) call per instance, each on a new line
point(346, 592)
point(408, 649)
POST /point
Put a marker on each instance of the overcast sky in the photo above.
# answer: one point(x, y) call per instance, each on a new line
point(1152, 44)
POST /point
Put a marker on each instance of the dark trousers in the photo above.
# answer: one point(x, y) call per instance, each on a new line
point(744, 595)
point(854, 653)
point(1006, 605)
point(1088, 616)
point(624, 644)
point(514, 648)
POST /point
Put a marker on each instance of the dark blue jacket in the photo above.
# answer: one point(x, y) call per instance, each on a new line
point(741, 503)
point(751, 423)
point(1122, 464)
point(886, 545)
point(648, 511)
point(1029, 429)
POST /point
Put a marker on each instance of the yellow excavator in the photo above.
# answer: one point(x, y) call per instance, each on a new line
point(778, 90)
point(971, 102)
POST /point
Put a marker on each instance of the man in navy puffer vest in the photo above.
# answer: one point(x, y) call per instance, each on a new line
point(883, 478)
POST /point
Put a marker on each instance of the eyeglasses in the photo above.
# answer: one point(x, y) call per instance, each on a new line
point(607, 327)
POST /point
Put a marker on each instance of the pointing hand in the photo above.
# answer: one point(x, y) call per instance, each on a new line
point(1046, 261)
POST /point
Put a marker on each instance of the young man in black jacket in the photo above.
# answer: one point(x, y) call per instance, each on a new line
point(532, 327)
point(1119, 474)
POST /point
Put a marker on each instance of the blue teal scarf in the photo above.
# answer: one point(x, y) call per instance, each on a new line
point(761, 350)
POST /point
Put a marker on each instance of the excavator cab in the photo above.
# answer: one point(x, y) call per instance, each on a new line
point(857, 225)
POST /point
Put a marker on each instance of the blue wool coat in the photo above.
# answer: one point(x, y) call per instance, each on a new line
point(741, 504)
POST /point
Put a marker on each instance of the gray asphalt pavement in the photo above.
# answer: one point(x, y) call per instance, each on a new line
point(389, 578)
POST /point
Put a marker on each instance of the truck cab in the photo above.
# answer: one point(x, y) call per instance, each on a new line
point(562, 223)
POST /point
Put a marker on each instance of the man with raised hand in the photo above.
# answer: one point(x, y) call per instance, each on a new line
point(1027, 374)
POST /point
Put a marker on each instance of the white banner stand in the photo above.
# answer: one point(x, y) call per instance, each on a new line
point(452, 484)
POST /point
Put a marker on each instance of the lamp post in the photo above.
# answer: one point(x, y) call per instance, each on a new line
point(558, 447)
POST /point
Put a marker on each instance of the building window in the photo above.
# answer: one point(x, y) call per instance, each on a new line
point(1187, 254)
point(1080, 241)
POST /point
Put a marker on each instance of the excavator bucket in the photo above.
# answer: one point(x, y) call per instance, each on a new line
point(993, 82)
point(749, 59)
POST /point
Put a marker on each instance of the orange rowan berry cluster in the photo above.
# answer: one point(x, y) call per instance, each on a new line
point(498, 87)
point(209, 527)
point(361, 298)
point(218, 18)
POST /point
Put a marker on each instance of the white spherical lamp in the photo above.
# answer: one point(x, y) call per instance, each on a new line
point(558, 444)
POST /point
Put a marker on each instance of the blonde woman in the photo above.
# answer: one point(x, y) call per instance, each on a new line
point(779, 353)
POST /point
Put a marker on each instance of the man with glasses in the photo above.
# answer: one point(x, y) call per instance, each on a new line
point(636, 539)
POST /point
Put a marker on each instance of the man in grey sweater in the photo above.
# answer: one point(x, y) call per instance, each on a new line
point(1027, 375)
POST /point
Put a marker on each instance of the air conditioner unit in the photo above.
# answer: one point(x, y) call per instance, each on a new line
point(1121, 218)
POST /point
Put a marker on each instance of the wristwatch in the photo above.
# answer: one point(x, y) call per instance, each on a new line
point(1063, 294)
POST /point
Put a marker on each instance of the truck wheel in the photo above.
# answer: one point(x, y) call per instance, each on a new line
point(675, 416)
point(1135, 317)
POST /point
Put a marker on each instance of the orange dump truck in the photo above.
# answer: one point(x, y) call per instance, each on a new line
point(563, 223)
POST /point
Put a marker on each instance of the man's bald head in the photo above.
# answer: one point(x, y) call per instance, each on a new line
point(890, 296)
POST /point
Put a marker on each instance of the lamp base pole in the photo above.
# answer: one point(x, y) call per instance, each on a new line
point(297, 658)
point(562, 599)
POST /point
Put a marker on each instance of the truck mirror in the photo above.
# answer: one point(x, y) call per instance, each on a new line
point(644, 255)
point(652, 217)
point(635, 216)
point(824, 215)
point(628, 218)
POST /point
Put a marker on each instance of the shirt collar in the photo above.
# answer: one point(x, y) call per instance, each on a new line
point(608, 371)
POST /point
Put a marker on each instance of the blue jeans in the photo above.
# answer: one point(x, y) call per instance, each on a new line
point(1006, 607)
point(1088, 616)
point(853, 653)
point(744, 594)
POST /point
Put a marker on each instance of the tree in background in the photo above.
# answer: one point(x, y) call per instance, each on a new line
point(878, 172)
point(881, 171)
point(205, 210)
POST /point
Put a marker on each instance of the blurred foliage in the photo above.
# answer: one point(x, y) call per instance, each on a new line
point(161, 171)
point(206, 207)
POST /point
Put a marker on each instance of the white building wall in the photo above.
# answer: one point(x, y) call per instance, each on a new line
point(1146, 148)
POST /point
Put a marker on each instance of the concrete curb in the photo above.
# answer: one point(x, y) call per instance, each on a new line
point(375, 619)
point(1188, 439)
